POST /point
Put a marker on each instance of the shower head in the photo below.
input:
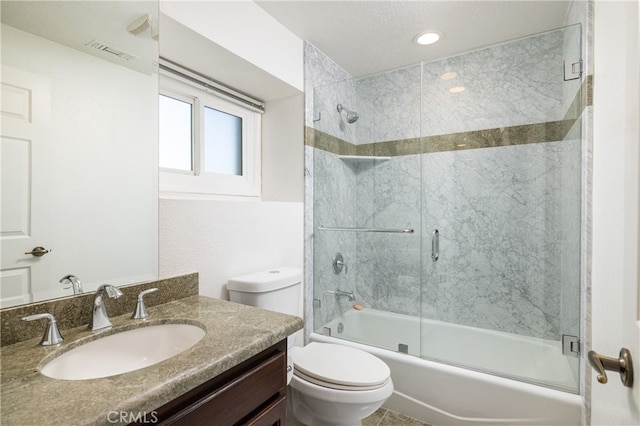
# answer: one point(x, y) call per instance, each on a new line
point(352, 116)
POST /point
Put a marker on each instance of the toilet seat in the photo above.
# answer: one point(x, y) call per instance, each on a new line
point(339, 367)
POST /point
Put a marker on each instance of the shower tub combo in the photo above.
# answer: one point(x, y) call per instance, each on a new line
point(444, 394)
point(489, 180)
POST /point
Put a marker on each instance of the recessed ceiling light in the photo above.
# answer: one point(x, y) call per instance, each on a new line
point(449, 75)
point(456, 89)
point(428, 37)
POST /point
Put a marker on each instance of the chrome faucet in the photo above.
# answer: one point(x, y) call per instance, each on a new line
point(74, 281)
point(99, 318)
point(141, 310)
point(342, 293)
point(51, 334)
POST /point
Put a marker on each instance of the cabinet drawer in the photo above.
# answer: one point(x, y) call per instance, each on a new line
point(275, 414)
point(242, 397)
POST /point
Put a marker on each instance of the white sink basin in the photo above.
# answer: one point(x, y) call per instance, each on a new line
point(123, 352)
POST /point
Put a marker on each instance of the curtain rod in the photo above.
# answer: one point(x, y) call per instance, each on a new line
point(209, 83)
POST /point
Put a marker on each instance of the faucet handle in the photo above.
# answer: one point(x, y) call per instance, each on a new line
point(338, 264)
point(141, 310)
point(52, 335)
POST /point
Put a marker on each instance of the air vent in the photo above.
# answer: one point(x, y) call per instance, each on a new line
point(98, 45)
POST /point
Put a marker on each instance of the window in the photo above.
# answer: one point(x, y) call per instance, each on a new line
point(176, 133)
point(208, 144)
point(222, 142)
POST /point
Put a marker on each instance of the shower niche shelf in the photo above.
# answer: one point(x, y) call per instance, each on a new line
point(361, 158)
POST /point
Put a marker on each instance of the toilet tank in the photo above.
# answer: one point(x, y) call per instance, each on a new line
point(276, 289)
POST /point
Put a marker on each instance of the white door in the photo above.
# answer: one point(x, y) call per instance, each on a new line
point(616, 206)
point(25, 115)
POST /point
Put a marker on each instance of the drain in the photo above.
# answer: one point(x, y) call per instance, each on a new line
point(340, 328)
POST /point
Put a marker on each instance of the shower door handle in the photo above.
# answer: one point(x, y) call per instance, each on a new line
point(435, 245)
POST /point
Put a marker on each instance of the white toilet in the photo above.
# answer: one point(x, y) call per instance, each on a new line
point(329, 384)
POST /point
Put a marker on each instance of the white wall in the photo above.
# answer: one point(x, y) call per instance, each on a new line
point(222, 238)
point(244, 28)
point(283, 150)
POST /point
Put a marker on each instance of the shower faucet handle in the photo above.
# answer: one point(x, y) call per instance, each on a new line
point(338, 264)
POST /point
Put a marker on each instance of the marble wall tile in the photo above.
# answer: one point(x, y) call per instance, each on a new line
point(328, 201)
point(389, 106)
point(327, 85)
point(328, 119)
point(586, 241)
point(388, 268)
point(334, 206)
point(499, 212)
point(319, 70)
point(514, 83)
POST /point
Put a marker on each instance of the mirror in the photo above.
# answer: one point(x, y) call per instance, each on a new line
point(79, 146)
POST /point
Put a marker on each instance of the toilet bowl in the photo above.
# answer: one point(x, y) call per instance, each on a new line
point(336, 385)
point(330, 385)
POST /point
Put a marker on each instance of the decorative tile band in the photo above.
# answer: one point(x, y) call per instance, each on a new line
point(508, 136)
point(324, 141)
point(505, 136)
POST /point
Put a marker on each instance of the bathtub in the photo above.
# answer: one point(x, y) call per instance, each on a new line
point(445, 394)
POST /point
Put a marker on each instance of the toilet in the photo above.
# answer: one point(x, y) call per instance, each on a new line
point(329, 384)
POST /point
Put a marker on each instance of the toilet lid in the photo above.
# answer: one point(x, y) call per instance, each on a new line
point(340, 367)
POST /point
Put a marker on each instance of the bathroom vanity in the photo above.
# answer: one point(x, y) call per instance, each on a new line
point(252, 393)
point(237, 372)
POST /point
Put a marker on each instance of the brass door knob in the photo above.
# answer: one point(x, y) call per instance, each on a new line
point(622, 365)
point(38, 251)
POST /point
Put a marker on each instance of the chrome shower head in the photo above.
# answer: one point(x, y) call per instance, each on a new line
point(352, 116)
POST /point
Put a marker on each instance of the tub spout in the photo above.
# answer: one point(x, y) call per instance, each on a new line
point(342, 293)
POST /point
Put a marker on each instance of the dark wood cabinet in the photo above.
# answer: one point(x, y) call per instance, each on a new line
point(251, 393)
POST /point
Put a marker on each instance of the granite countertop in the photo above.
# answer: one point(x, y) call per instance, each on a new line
point(234, 333)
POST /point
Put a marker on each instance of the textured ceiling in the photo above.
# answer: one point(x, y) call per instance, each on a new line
point(363, 37)
point(367, 37)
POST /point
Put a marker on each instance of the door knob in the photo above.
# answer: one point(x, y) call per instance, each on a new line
point(38, 251)
point(622, 365)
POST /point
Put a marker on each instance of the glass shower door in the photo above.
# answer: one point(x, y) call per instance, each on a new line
point(502, 186)
point(367, 209)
